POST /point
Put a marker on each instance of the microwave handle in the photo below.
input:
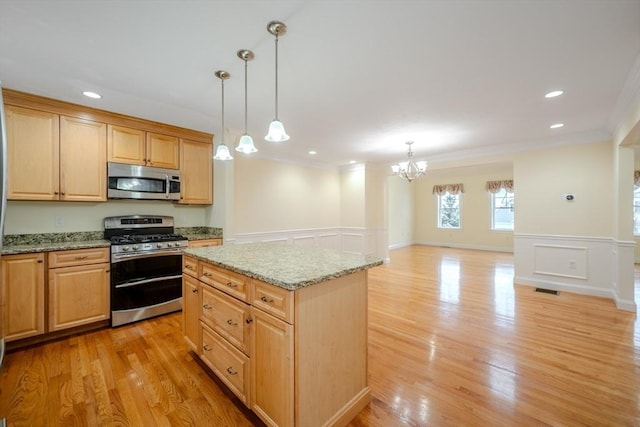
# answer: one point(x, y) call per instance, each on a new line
point(167, 185)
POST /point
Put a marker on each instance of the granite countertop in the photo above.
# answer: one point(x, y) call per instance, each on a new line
point(287, 266)
point(45, 242)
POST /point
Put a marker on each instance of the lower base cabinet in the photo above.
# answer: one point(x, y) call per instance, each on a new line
point(24, 296)
point(78, 287)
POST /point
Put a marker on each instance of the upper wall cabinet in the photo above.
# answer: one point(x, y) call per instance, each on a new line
point(53, 157)
point(59, 151)
point(137, 147)
point(197, 172)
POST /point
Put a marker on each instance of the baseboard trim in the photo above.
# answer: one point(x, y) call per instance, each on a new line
point(465, 246)
point(565, 287)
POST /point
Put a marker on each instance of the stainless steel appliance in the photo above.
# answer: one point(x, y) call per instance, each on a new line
point(3, 207)
point(142, 182)
point(146, 267)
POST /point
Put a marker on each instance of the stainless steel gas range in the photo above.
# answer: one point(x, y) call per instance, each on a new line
point(146, 267)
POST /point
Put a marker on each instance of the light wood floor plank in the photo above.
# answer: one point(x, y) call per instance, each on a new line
point(452, 342)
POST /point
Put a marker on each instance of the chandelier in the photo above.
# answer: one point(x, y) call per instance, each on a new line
point(410, 169)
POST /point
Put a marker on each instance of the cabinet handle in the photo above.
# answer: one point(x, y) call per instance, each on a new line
point(231, 323)
point(232, 285)
point(206, 347)
point(56, 193)
point(62, 194)
point(249, 320)
point(40, 261)
point(265, 299)
point(194, 290)
point(207, 307)
point(107, 271)
point(81, 256)
point(206, 274)
point(231, 371)
point(188, 267)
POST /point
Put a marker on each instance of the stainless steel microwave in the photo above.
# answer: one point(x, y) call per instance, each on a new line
point(142, 182)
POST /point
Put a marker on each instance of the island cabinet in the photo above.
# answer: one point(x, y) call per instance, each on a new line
point(295, 357)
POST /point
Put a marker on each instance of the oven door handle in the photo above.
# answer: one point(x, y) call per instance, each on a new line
point(125, 257)
point(142, 282)
point(168, 185)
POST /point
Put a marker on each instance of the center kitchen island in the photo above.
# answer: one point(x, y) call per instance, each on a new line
point(283, 326)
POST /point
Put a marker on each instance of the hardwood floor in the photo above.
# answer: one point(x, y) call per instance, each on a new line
point(451, 342)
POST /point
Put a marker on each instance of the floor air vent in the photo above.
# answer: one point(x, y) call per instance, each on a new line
point(547, 291)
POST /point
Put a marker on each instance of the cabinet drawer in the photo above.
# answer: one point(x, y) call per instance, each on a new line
point(190, 266)
point(227, 281)
point(204, 243)
point(229, 364)
point(78, 257)
point(274, 300)
point(227, 316)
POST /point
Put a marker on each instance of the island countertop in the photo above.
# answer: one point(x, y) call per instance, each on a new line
point(287, 266)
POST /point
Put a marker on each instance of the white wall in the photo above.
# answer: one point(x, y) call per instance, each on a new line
point(475, 229)
point(401, 212)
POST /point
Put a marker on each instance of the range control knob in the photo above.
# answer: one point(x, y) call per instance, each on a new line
point(125, 248)
point(136, 247)
point(158, 245)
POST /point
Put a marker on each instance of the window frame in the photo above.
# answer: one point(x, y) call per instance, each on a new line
point(438, 214)
point(636, 210)
point(492, 206)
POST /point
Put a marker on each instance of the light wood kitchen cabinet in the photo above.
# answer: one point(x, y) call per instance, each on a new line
point(272, 369)
point(191, 310)
point(83, 160)
point(196, 166)
point(53, 157)
point(24, 295)
point(78, 287)
point(33, 144)
point(137, 147)
point(204, 242)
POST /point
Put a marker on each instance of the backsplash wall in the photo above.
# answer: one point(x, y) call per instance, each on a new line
point(24, 217)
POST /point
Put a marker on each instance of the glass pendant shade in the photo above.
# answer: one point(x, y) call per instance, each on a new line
point(276, 132)
point(245, 145)
point(222, 153)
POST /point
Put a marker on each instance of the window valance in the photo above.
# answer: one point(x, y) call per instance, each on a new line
point(451, 188)
point(495, 186)
point(636, 177)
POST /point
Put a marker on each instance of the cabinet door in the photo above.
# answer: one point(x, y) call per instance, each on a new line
point(33, 141)
point(163, 151)
point(191, 311)
point(23, 298)
point(196, 167)
point(78, 295)
point(272, 367)
point(126, 145)
point(83, 160)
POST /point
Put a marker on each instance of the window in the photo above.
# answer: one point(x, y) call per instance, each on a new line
point(636, 210)
point(449, 210)
point(502, 210)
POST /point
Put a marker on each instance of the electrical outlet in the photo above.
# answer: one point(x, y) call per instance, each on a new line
point(572, 264)
point(58, 221)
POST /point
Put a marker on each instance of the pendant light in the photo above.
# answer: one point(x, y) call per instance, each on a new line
point(245, 145)
point(276, 128)
point(222, 153)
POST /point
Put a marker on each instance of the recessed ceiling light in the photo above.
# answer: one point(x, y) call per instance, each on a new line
point(554, 94)
point(90, 94)
point(351, 162)
point(312, 152)
point(556, 125)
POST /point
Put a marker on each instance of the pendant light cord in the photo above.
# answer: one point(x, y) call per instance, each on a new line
point(276, 76)
point(245, 97)
point(222, 84)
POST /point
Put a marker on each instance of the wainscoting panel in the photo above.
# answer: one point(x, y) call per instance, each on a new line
point(560, 260)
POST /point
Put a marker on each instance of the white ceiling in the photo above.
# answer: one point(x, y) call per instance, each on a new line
point(357, 78)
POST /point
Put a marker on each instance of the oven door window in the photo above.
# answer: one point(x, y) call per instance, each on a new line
point(145, 281)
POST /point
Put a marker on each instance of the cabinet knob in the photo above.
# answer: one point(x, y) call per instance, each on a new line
point(206, 347)
point(207, 307)
point(194, 290)
point(232, 285)
point(231, 371)
point(230, 322)
point(249, 320)
point(265, 299)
